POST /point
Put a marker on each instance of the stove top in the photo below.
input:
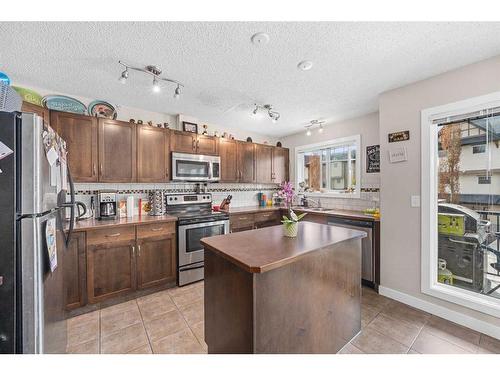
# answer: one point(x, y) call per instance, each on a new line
point(193, 208)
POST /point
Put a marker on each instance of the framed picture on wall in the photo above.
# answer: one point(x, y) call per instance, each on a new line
point(189, 127)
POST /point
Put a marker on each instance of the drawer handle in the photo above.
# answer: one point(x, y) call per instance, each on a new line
point(112, 235)
point(156, 229)
point(242, 218)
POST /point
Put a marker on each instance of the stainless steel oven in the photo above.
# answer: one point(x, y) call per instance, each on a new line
point(195, 220)
point(192, 167)
point(191, 253)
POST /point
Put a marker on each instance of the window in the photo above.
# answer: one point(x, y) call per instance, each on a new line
point(461, 203)
point(329, 167)
point(479, 149)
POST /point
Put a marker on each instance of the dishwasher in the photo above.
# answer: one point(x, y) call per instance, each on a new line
point(367, 258)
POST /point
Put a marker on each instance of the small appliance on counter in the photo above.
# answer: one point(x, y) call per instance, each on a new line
point(157, 203)
point(106, 204)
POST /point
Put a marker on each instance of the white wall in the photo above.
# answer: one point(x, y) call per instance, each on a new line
point(399, 109)
point(367, 126)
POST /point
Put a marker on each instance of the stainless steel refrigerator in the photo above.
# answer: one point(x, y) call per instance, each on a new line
point(32, 317)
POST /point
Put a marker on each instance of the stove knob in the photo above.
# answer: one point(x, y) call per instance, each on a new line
point(175, 198)
point(170, 198)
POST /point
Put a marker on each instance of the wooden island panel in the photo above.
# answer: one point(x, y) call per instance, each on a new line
point(265, 293)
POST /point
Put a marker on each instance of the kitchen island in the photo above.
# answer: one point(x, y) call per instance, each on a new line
point(266, 293)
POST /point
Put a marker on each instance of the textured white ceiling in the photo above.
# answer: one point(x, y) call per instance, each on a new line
point(225, 74)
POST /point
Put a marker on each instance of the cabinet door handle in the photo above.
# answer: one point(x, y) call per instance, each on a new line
point(166, 173)
point(139, 250)
point(198, 144)
point(156, 229)
point(193, 144)
point(112, 235)
point(133, 250)
point(93, 169)
point(101, 168)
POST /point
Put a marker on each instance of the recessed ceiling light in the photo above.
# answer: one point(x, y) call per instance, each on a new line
point(260, 39)
point(305, 65)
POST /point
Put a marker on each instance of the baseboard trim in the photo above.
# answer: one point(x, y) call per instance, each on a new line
point(443, 312)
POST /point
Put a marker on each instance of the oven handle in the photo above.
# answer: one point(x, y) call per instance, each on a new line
point(190, 268)
point(204, 224)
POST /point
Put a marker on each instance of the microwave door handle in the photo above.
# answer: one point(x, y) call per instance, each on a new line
point(210, 166)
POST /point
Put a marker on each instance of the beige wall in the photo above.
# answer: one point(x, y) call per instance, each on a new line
point(399, 109)
point(367, 126)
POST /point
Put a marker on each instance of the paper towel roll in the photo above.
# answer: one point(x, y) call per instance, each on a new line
point(130, 206)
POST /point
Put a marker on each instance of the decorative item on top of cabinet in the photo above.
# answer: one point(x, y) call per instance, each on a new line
point(153, 156)
point(74, 272)
point(117, 151)
point(246, 161)
point(228, 161)
point(99, 108)
point(190, 127)
point(80, 134)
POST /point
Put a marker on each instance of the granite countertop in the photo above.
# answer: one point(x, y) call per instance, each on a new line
point(261, 250)
point(89, 224)
point(350, 214)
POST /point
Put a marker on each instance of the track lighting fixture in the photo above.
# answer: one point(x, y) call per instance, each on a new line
point(313, 123)
point(177, 92)
point(153, 71)
point(275, 116)
point(124, 76)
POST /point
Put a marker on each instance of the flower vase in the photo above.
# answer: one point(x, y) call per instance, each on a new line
point(290, 230)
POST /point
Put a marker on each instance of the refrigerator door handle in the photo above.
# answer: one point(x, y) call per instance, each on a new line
point(71, 206)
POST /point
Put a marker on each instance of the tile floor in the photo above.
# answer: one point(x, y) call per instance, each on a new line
point(171, 321)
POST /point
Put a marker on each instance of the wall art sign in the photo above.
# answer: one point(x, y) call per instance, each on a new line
point(373, 159)
point(399, 136)
point(189, 127)
point(397, 155)
point(64, 104)
point(28, 95)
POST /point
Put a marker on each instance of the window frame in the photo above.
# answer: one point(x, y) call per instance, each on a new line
point(356, 139)
point(429, 178)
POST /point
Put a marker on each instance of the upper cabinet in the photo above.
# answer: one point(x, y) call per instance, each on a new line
point(117, 151)
point(228, 162)
point(263, 163)
point(193, 143)
point(153, 157)
point(33, 108)
point(245, 153)
point(280, 165)
point(80, 134)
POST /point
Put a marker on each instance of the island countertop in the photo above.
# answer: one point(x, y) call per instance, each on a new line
point(261, 250)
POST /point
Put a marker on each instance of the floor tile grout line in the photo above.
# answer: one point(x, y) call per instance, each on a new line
point(144, 326)
point(185, 320)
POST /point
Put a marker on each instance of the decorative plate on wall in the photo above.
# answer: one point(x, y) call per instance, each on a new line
point(64, 104)
point(99, 108)
point(4, 78)
point(29, 95)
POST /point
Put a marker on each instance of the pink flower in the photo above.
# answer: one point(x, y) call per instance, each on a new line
point(286, 191)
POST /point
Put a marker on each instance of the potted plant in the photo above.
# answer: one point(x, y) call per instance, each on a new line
point(291, 224)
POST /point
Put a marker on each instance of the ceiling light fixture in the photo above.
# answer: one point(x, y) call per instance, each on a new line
point(313, 123)
point(153, 71)
point(305, 65)
point(124, 76)
point(274, 115)
point(260, 39)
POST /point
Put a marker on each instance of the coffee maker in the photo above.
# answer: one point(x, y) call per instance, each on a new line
point(106, 204)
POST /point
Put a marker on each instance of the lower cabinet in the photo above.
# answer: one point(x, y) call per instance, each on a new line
point(74, 272)
point(104, 263)
point(110, 270)
point(248, 221)
point(155, 261)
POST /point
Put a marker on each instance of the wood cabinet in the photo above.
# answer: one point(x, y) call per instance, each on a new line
point(193, 143)
point(241, 222)
point(263, 163)
point(267, 218)
point(245, 155)
point(156, 260)
point(153, 159)
point(74, 272)
point(33, 108)
point(228, 162)
point(280, 162)
point(80, 134)
point(117, 151)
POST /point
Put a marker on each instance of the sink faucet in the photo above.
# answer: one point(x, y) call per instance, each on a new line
point(305, 201)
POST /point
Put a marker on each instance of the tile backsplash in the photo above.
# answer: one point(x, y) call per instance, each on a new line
point(243, 194)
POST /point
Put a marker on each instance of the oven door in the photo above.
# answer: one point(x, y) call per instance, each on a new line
point(190, 248)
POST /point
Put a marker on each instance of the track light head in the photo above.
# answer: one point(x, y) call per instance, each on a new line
point(255, 110)
point(124, 76)
point(320, 128)
point(177, 92)
point(156, 85)
point(308, 132)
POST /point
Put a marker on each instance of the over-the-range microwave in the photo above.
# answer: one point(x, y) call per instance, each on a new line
point(192, 167)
